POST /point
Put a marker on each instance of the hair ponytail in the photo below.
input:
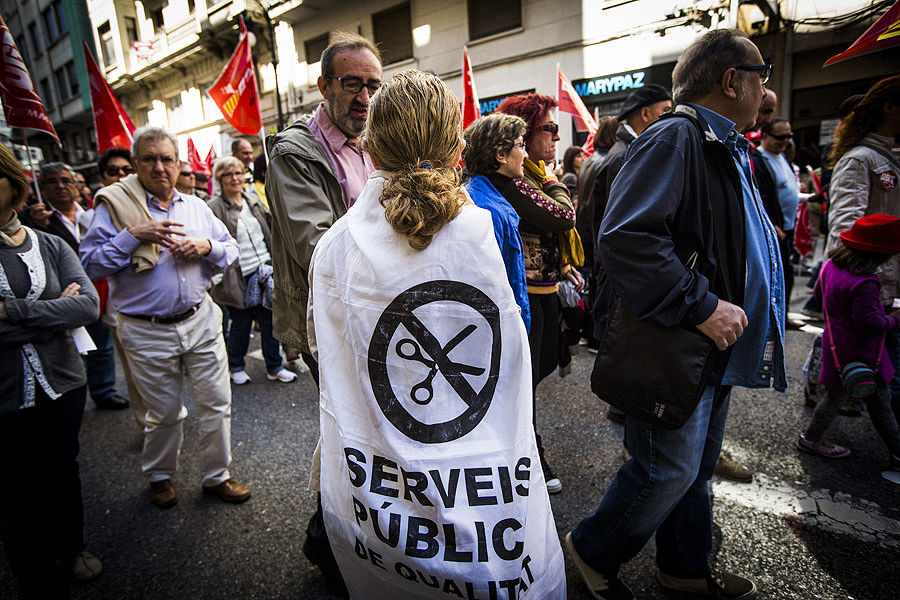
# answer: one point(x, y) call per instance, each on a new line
point(413, 132)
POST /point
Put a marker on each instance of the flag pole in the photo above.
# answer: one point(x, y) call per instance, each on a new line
point(37, 187)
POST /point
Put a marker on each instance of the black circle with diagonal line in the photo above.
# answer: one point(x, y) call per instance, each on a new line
point(400, 311)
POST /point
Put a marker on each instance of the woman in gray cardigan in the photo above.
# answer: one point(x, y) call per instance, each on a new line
point(243, 286)
point(44, 294)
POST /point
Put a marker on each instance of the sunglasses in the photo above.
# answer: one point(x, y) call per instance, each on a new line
point(187, 173)
point(782, 137)
point(114, 171)
point(551, 128)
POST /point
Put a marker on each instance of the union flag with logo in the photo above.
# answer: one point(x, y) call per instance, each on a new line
point(234, 92)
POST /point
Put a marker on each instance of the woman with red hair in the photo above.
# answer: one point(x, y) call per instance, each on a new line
point(545, 244)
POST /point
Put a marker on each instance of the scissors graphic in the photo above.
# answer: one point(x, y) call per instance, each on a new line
point(409, 349)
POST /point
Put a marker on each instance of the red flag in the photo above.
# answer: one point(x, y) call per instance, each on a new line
point(471, 108)
point(234, 92)
point(570, 102)
point(22, 105)
point(588, 146)
point(884, 33)
point(210, 159)
point(197, 164)
point(112, 126)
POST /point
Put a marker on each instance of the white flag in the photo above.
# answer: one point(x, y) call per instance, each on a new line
point(431, 483)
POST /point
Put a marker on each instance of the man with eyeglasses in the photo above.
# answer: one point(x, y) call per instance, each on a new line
point(159, 249)
point(61, 217)
point(316, 172)
point(684, 244)
point(780, 192)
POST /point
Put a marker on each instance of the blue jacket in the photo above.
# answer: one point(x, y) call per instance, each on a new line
point(678, 193)
point(506, 230)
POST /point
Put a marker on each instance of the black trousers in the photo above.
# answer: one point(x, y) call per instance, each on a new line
point(316, 547)
point(41, 512)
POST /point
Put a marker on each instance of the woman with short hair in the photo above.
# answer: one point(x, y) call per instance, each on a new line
point(245, 287)
point(545, 264)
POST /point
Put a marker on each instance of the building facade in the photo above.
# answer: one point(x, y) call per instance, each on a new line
point(161, 56)
point(48, 34)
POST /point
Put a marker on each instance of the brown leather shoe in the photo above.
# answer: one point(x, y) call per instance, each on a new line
point(163, 494)
point(229, 491)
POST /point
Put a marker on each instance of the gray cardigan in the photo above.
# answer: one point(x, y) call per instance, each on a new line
point(35, 339)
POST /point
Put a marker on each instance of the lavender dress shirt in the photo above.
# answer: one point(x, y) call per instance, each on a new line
point(352, 166)
point(173, 285)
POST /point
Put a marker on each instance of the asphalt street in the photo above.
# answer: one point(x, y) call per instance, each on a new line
point(805, 528)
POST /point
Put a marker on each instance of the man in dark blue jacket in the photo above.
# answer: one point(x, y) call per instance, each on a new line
point(686, 188)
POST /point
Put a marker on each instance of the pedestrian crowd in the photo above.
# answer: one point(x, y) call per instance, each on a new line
point(357, 244)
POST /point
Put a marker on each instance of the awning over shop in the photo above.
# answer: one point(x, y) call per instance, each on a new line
point(884, 33)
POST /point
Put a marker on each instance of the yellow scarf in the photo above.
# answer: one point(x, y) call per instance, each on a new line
point(569, 242)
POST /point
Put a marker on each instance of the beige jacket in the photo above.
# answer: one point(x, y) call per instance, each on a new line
point(866, 182)
point(126, 201)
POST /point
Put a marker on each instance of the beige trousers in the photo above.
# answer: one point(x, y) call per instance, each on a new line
point(159, 356)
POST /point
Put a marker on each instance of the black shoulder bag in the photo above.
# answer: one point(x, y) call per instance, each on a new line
point(655, 374)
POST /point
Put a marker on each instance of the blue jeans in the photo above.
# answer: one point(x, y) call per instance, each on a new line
point(239, 338)
point(100, 364)
point(663, 489)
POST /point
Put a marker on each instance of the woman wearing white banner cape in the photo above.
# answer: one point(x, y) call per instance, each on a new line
point(430, 477)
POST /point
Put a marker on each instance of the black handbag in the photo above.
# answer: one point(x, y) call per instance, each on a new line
point(655, 374)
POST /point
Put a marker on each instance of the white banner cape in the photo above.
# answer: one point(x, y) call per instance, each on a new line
point(430, 478)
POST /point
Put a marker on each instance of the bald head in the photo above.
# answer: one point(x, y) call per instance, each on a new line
point(766, 109)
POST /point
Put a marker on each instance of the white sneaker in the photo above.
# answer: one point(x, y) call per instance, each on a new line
point(554, 485)
point(239, 377)
point(284, 376)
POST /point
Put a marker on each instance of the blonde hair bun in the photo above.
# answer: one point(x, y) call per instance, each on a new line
point(413, 131)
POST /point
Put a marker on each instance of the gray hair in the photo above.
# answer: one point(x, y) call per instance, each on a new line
point(151, 134)
point(52, 169)
point(702, 64)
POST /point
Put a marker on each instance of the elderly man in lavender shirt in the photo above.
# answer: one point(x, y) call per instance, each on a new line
point(167, 325)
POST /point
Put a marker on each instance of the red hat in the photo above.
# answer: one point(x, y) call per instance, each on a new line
point(878, 233)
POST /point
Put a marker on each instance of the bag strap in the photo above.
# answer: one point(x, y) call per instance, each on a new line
point(884, 153)
point(837, 363)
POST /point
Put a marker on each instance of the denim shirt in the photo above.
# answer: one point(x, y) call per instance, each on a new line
point(506, 230)
point(757, 358)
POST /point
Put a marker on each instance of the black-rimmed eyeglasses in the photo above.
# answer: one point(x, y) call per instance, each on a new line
point(765, 71)
point(354, 85)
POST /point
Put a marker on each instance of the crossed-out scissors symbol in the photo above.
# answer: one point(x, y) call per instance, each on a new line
point(415, 353)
